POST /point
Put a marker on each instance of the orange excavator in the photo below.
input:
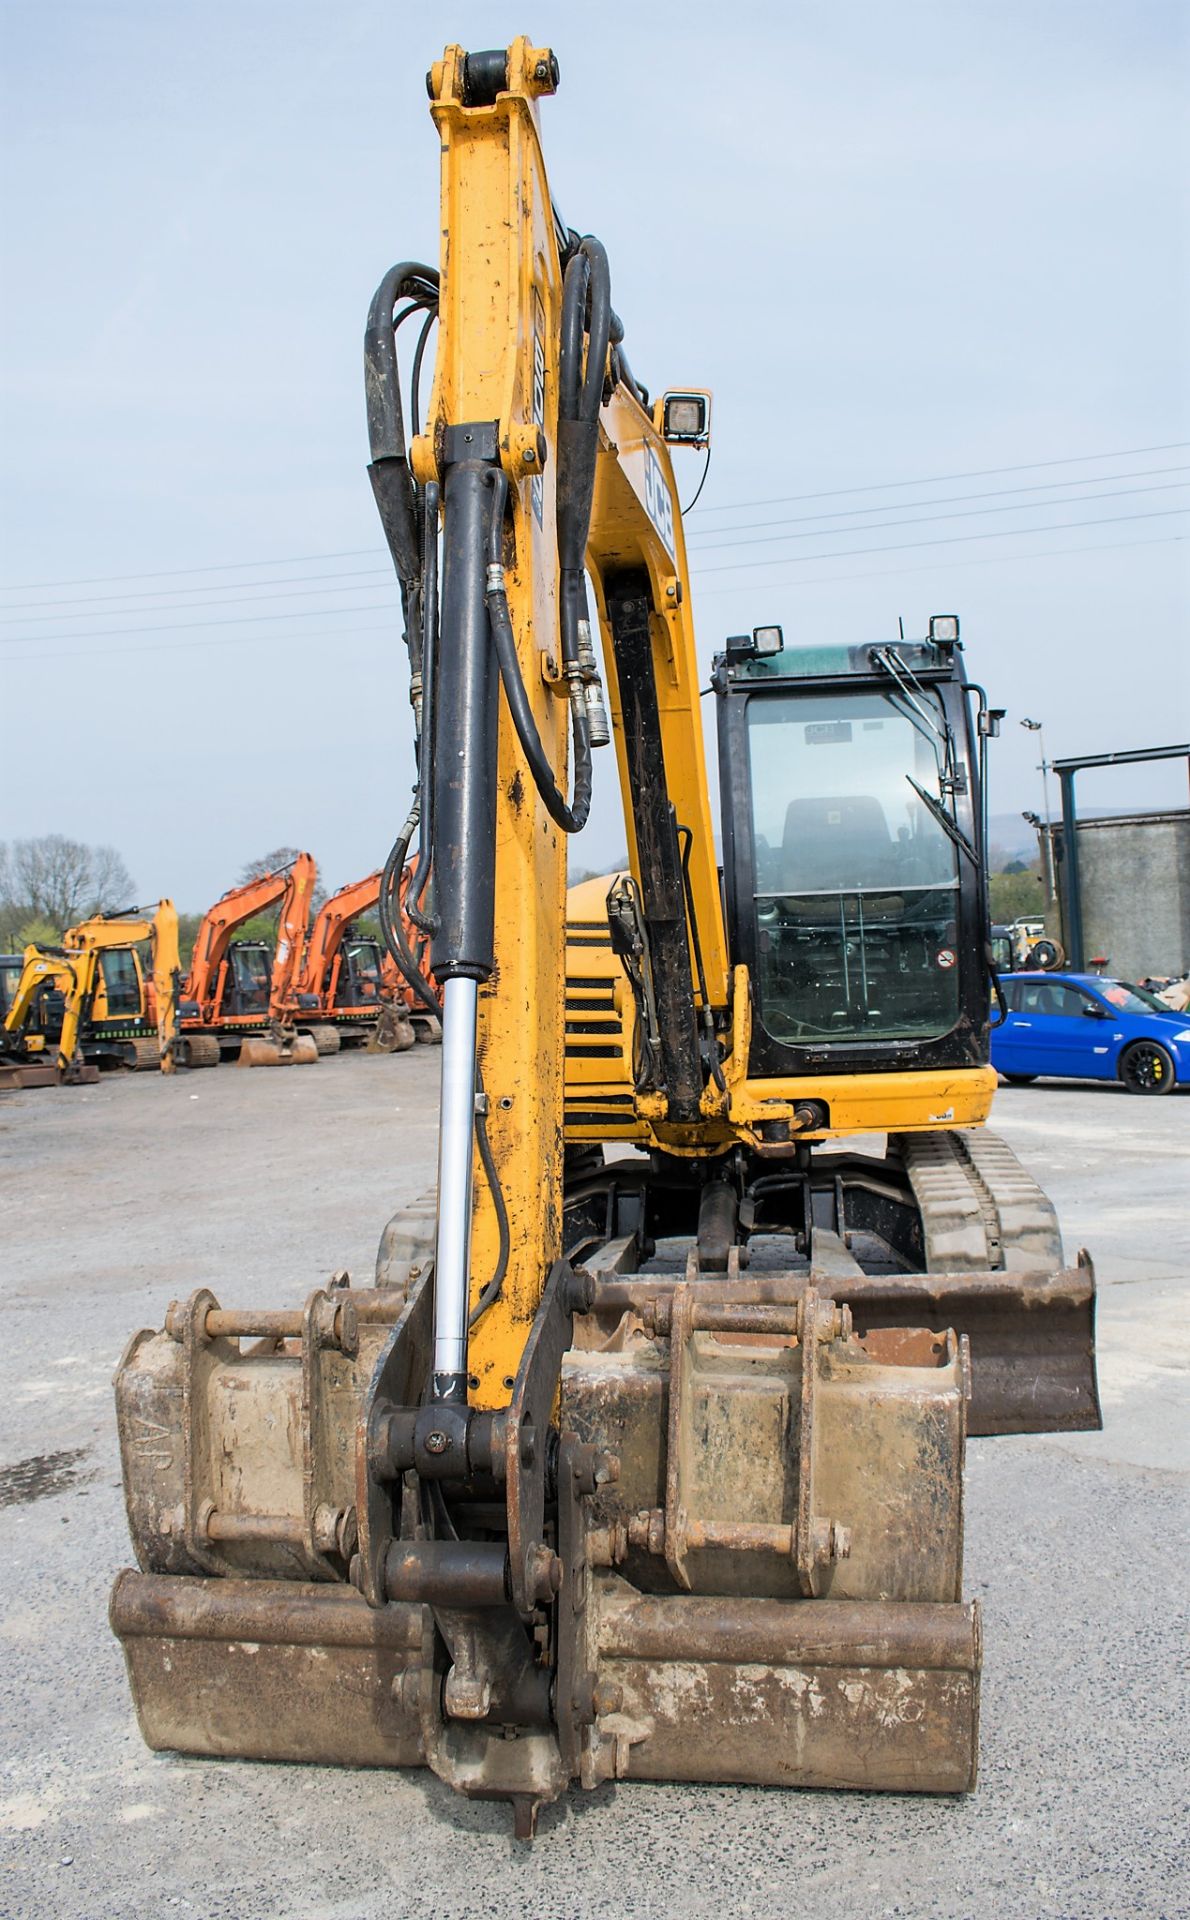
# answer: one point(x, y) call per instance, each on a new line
point(345, 994)
point(238, 999)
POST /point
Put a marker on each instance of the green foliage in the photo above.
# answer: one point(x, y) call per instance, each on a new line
point(36, 933)
point(1015, 892)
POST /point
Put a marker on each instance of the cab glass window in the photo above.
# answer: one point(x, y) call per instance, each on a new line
point(120, 982)
point(856, 883)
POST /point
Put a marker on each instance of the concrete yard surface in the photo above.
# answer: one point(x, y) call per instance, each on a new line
point(118, 1198)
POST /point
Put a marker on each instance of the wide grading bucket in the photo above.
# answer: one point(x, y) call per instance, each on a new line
point(758, 1535)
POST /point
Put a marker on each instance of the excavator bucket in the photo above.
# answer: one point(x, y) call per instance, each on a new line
point(259, 1050)
point(392, 1033)
point(735, 1595)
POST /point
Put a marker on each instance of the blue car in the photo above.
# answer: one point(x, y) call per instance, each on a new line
point(1081, 1027)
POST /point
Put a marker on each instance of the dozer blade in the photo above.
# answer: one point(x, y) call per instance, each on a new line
point(1032, 1335)
point(298, 1050)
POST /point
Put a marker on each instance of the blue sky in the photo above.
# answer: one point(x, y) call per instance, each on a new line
point(902, 244)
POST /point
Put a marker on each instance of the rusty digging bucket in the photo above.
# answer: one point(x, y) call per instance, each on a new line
point(392, 1033)
point(277, 1050)
point(763, 1587)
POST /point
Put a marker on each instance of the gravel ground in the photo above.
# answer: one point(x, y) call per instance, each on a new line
point(118, 1198)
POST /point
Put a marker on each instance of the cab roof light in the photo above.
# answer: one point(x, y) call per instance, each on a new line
point(944, 629)
point(686, 419)
point(760, 644)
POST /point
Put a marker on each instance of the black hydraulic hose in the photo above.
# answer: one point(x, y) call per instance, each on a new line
point(415, 376)
point(570, 818)
point(392, 482)
point(382, 381)
point(491, 1292)
point(426, 923)
point(390, 920)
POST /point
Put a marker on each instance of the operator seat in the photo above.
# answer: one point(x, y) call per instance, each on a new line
point(835, 842)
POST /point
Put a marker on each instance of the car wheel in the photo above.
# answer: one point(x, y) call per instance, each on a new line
point(1146, 1067)
point(1020, 1079)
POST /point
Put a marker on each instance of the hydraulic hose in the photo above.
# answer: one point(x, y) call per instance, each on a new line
point(570, 818)
point(390, 921)
point(392, 482)
point(586, 316)
point(426, 923)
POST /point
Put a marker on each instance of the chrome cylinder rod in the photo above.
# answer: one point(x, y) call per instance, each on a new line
point(456, 1140)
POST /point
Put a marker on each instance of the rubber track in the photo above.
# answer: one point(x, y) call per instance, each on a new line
point(980, 1211)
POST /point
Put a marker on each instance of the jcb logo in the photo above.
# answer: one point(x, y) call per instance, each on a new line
point(536, 485)
point(658, 501)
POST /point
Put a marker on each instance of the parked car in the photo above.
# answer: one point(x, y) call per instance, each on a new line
point(1081, 1027)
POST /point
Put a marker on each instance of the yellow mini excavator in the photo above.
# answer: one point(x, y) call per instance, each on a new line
point(111, 1011)
point(645, 1460)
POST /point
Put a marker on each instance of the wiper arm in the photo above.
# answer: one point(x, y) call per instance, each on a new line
point(950, 827)
point(919, 711)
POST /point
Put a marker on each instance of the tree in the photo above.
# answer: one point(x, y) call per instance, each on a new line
point(58, 882)
point(272, 863)
point(1015, 894)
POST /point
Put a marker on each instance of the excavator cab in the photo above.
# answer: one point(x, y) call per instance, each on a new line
point(360, 974)
point(250, 977)
point(120, 988)
point(851, 790)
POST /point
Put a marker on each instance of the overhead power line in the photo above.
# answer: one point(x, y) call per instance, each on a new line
point(947, 566)
point(709, 593)
point(937, 479)
point(739, 506)
point(928, 519)
point(947, 540)
point(243, 593)
point(955, 499)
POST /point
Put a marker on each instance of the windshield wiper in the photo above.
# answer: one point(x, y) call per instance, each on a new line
point(921, 713)
point(949, 826)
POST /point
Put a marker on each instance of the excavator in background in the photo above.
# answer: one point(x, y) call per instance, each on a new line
point(112, 1013)
point(237, 1001)
point(646, 1460)
point(34, 987)
point(344, 995)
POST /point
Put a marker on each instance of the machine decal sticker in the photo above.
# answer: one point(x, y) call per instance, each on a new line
point(658, 504)
point(537, 484)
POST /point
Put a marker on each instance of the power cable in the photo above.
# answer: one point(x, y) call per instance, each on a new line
point(937, 479)
point(739, 506)
point(710, 593)
point(949, 566)
point(948, 540)
point(318, 586)
point(954, 499)
point(924, 519)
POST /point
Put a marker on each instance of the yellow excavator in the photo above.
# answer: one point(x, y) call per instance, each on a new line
point(645, 1460)
point(112, 1011)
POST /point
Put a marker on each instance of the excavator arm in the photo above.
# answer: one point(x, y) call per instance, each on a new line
point(293, 886)
point(324, 946)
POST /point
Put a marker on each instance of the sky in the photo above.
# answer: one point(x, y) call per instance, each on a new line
point(931, 259)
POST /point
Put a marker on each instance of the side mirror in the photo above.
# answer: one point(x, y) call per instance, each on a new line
point(1093, 1011)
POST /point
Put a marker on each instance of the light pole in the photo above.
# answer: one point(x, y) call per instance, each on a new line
point(1035, 726)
